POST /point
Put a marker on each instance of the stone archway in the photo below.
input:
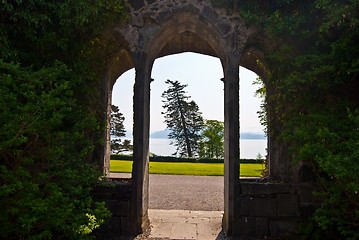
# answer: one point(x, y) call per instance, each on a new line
point(197, 28)
point(163, 27)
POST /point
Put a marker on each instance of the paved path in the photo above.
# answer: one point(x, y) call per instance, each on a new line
point(185, 224)
point(197, 193)
point(184, 207)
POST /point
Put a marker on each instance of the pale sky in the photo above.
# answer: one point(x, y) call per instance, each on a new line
point(202, 73)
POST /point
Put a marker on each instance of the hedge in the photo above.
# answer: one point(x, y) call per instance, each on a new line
point(176, 159)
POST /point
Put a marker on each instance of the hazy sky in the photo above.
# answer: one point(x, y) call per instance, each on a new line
point(202, 73)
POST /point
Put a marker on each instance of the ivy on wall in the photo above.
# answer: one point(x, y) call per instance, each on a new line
point(312, 85)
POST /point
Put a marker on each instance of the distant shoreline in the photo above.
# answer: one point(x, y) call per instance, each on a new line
point(164, 135)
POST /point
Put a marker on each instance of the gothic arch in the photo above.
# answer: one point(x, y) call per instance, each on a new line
point(163, 27)
point(186, 30)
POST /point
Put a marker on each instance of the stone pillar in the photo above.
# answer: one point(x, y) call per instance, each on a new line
point(141, 123)
point(231, 142)
point(107, 146)
point(101, 153)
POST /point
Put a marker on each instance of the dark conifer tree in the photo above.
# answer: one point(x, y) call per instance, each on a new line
point(183, 119)
point(117, 129)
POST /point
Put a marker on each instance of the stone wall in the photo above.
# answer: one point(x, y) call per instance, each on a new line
point(117, 197)
point(272, 210)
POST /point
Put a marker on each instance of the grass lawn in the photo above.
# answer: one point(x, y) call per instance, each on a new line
point(181, 168)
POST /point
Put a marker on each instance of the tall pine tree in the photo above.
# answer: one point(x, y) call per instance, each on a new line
point(183, 119)
point(117, 130)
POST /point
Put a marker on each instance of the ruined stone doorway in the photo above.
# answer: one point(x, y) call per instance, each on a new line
point(157, 29)
point(211, 33)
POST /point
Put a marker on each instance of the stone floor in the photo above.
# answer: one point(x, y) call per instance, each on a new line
point(185, 224)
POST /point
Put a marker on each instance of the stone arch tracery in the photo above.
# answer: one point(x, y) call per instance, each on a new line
point(192, 33)
point(160, 28)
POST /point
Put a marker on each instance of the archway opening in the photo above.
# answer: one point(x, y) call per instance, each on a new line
point(122, 97)
point(206, 88)
point(188, 197)
point(253, 139)
point(195, 71)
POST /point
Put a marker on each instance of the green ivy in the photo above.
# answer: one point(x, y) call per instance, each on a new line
point(312, 85)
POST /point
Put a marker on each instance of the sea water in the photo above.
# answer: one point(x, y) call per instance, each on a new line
point(249, 148)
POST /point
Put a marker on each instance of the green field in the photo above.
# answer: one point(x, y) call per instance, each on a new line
point(184, 168)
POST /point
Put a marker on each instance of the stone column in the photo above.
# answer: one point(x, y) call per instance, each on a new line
point(231, 141)
point(141, 123)
point(107, 146)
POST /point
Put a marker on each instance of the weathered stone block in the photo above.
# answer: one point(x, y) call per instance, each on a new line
point(137, 21)
point(253, 188)
point(209, 13)
point(288, 205)
point(102, 192)
point(112, 190)
point(245, 226)
point(225, 28)
point(243, 205)
point(262, 228)
point(280, 228)
point(126, 225)
point(137, 4)
point(305, 193)
point(111, 205)
point(163, 15)
point(262, 207)
point(123, 209)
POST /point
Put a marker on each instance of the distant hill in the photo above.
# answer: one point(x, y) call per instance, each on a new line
point(244, 135)
point(164, 134)
point(251, 135)
point(160, 134)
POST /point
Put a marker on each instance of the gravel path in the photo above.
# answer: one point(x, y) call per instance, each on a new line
point(198, 193)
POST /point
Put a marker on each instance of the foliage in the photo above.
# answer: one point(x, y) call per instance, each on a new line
point(183, 119)
point(117, 129)
point(312, 66)
point(37, 32)
point(211, 144)
point(45, 180)
point(49, 116)
point(261, 93)
point(323, 114)
point(181, 159)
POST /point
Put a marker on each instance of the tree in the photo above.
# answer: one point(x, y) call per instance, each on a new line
point(312, 92)
point(212, 139)
point(183, 119)
point(52, 54)
point(259, 157)
point(117, 129)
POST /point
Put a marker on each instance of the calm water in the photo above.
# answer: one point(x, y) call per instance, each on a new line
point(249, 147)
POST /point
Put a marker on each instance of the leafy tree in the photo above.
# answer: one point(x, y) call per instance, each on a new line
point(211, 144)
point(312, 84)
point(45, 180)
point(259, 157)
point(182, 118)
point(51, 57)
point(117, 129)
